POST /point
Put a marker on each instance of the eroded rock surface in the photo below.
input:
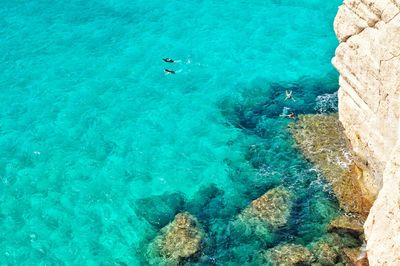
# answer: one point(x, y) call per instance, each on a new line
point(368, 59)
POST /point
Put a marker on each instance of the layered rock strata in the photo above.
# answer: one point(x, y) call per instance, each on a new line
point(368, 59)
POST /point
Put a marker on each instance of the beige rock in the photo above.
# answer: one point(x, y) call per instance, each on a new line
point(272, 209)
point(369, 106)
point(325, 253)
point(355, 257)
point(368, 59)
point(177, 241)
point(264, 216)
point(382, 227)
point(287, 255)
point(322, 141)
point(329, 249)
point(347, 224)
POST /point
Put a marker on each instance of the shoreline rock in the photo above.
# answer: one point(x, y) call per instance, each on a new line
point(354, 257)
point(345, 224)
point(368, 60)
point(322, 141)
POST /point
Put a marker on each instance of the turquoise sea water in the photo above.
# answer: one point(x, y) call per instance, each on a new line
point(99, 148)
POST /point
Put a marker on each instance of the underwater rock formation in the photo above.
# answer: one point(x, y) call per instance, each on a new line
point(272, 208)
point(178, 241)
point(325, 254)
point(347, 224)
point(267, 213)
point(286, 255)
point(321, 139)
point(263, 100)
point(159, 210)
point(264, 216)
point(329, 250)
point(368, 59)
point(207, 204)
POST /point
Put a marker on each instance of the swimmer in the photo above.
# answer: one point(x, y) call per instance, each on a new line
point(169, 71)
point(292, 115)
point(289, 95)
point(168, 60)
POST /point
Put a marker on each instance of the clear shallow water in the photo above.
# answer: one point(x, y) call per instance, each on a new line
point(92, 129)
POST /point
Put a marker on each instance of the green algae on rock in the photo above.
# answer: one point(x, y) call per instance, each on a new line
point(346, 224)
point(272, 208)
point(322, 141)
point(264, 215)
point(159, 210)
point(325, 254)
point(286, 255)
point(179, 240)
point(329, 249)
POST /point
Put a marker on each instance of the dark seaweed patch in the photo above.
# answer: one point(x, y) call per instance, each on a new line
point(159, 210)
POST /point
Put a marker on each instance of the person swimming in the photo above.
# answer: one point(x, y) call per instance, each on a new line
point(168, 60)
point(289, 95)
point(169, 71)
point(292, 115)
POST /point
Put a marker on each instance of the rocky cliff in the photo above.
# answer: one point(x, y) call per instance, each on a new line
point(368, 59)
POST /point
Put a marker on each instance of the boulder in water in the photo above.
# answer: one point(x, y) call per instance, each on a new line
point(325, 254)
point(263, 217)
point(329, 250)
point(178, 241)
point(345, 224)
point(287, 255)
point(273, 208)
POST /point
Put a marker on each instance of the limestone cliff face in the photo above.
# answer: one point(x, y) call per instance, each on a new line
point(368, 59)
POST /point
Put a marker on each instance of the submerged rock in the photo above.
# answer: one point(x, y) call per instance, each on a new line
point(325, 254)
point(345, 224)
point(178, 241)
point(263, 217)
point(322, 141)
point(287, 255)
point(329, 250)
point(273, 208)
point(207, 204)
point(159, 210)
